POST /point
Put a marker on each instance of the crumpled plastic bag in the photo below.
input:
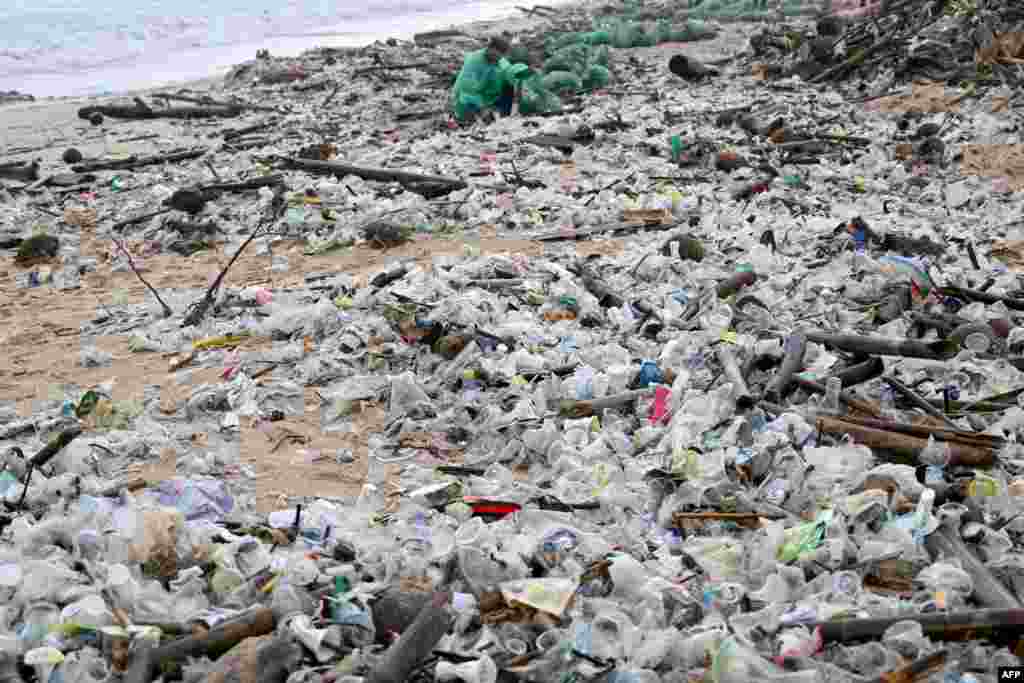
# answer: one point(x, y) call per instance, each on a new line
point(407, 397)
point(207, 398)
point(196, 499)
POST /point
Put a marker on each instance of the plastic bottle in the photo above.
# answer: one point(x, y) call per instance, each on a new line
point(482, 670)
point(833, 389)
point(887, 401)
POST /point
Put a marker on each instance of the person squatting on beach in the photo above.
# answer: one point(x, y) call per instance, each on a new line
point(487, 81)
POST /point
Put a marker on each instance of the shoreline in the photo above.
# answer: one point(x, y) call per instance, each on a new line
point(52, 120)
point(217, 61)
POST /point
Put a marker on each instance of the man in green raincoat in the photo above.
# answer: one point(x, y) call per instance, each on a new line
point(487, 81)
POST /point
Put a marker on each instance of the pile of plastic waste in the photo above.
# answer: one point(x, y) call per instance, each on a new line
point(747, 408)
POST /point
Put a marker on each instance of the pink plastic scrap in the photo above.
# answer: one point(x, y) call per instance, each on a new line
point(659, 410)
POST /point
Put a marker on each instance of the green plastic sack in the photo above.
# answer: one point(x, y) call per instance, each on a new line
point(534, 98)
point(572, 58)
point(642, 38)
point(689, 35)
point(599, 55)
point(563, 81)
point(597, 77)
point(622, 35)
point(663, 32)
point(518, 54)
point(562, 40)
point(803, 538)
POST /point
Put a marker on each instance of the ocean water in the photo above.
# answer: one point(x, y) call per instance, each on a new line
point(86, 47)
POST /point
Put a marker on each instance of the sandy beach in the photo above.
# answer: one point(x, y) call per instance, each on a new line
point(40, 331)
point(40, 326)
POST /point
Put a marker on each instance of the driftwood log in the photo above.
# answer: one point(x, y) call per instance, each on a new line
point(615, 228)
point(147, 665)
point(208, 101)
point(243, 185)
point(20, 170)
point(255, 128)
point(393, 67)
point(578, 409)
point(437, 36)
point(384, 175)
point(138, 112)
point(905, 446)
point(137, 161)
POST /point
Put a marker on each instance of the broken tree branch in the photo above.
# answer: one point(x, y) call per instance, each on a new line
point(385, 175)
point(208, 101)
point(255, 128)
point(393, 67)
point(131, 264)
point(202, 307)
point(904, 445)
point(578, 409)
point(251, 624)
point(121, 225)
point(136, 161)
point(137, 113)
point(331, 95)
point(243, 185)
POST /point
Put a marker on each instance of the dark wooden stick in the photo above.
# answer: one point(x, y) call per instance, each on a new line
point(201, 308)
point(52, 448)
point(988, 590)
point(146, 667)
point(243, 185)
point(914, 670)
point(885, 346)
point(905, 445)
point(255, 128)
point(331, 95)
point(20, 170)
point(796, 348)
point(210, 102)
point(121, 225)
point(924, 431)
point(393, 67)
point(577, 409)
point(1007, 624)
point(213, 171)
point(415, 644)
point(131, 264)
point(136, 162)
point(919, 401)
point(385, 175)
point(138, 113)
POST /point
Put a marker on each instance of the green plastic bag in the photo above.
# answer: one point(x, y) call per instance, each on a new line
point(803, 538)
point(563, 81)
point(597, 77)
point(692, 31)
point(642, 38)
point(571, 58)
point(622, 35)
point(563, 40)
point(663, 32)
point(518, 54)
point(534, 98)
